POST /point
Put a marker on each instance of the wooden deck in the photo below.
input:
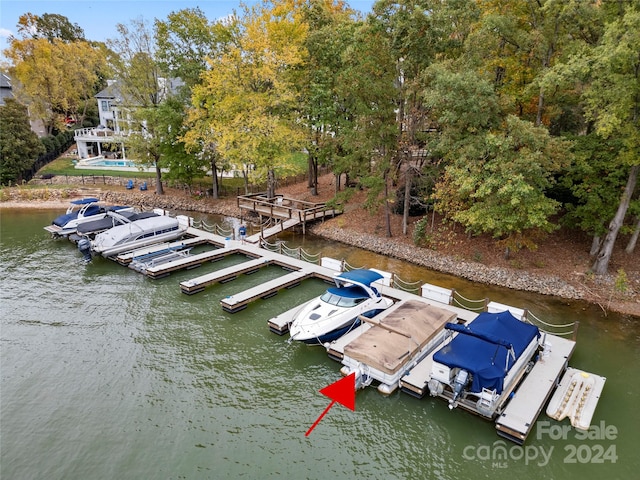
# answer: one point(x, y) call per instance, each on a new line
point(288, 212)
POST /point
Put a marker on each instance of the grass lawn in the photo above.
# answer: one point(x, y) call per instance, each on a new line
point(64, 166)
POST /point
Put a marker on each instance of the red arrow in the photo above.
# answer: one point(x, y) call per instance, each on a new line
point(343, 391)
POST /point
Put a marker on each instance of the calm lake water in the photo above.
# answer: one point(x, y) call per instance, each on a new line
point(106, 374)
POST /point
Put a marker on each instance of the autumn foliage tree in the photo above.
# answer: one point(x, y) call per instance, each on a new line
point(246, 103)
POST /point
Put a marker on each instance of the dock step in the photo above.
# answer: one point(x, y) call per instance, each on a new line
point(576, 397)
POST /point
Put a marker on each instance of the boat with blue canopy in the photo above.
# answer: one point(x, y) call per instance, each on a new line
point(483, 361)
point(81, 211)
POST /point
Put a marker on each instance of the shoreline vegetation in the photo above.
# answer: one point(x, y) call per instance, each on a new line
point(477, 260)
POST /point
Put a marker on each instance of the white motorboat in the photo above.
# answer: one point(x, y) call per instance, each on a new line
point(483, 362)
point(140, 233)
point(81, 211)
point(112, 219)
point(336, 312)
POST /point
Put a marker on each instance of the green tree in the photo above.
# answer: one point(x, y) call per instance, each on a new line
point(49, 26)
point(185, 40)
point(181, 164)
point(613, 103)
point(330, 31)
point(594, 180)
point(19, 145)
point(368, 83)
point(142, 89)
point(498, 168)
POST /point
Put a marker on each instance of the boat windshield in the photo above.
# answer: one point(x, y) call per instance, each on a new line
point(344, 296)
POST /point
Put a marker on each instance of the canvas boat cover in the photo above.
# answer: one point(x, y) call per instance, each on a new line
point(401, 333)
point(483, 348)
point(359, 276)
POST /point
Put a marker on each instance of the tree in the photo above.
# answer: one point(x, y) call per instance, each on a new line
point(143, 89)
point(370, 139)
point(49, 26)
point(19, 145)
point(330, 31)
point(48, 82)
point(498, 168)
point(246, 103)
point(594, 181)
point(613, 103)
point(185, 40)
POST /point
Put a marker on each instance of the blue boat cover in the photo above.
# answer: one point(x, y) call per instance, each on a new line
point(84, 201)
point(361, 276)
point(483, 348)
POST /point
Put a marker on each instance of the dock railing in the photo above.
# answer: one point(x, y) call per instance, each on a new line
point(444, 295)
point(282, 207)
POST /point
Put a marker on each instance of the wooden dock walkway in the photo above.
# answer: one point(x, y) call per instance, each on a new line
point(239, 301)
point(288, 212)
point(198, 284)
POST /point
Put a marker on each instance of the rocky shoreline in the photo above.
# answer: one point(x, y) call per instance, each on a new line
point(476, 272)
point(473, 271)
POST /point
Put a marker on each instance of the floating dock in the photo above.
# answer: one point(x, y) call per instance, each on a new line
point(519, 416)
point(576, 397)
point(396, 347)
point(198, 284)
point(239, 301)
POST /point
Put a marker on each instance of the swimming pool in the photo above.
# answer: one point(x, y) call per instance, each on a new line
point(101, 163)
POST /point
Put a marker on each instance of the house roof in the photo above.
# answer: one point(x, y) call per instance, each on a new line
point(114, 92)
point(5, 87)
point(5, 81)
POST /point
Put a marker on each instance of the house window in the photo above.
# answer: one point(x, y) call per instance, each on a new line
point(104, 105)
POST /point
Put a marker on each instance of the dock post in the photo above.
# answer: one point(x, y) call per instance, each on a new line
point(574, 335)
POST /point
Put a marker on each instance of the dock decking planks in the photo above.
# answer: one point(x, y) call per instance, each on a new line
point(523, 409)
point(198, 284)
point(237, 302)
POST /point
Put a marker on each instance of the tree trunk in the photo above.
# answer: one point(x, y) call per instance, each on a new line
point(338, 176)
point(245, 176)
point(602, 261)
point(271, 184)
point(408, 178)
point(634, 238)
point(595, 245)
point(159, 188)
point(313, 173)
point(214, 174)
point(387, 208)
